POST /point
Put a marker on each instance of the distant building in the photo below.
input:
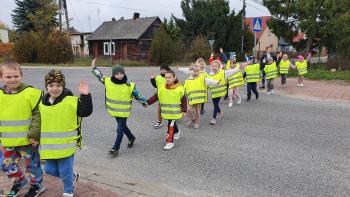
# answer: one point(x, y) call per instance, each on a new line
point(124, 39)
point(4, 36)
point(80, 44)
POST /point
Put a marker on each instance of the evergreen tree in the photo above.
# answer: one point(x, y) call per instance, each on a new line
point(162, 47)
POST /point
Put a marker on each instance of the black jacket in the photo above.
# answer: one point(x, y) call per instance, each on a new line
point(262, 64)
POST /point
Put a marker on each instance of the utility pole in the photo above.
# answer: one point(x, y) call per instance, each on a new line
point(60, 14)
point(66, 13)
point(243, 17)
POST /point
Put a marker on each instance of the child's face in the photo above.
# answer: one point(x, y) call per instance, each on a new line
point(11, 78)
point(55, 89)
point(215, 66)
point(119, 76)
point(169, 78)
point(285, 57)
point(233, 63)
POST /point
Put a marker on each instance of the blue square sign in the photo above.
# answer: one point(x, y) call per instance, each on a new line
point(257, 24)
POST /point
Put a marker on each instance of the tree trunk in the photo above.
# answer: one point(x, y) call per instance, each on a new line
point(309, 43)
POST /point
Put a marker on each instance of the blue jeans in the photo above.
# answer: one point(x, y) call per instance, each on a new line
point(62, 168)
point(216, 102)
point(121, 130)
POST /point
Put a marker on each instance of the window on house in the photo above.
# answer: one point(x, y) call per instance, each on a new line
point(109, 48)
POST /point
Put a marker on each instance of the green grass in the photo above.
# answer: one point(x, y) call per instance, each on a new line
point(86, 61)
point(319, 72)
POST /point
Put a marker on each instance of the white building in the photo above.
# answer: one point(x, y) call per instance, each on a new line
point(4, 35)
point(80, 45)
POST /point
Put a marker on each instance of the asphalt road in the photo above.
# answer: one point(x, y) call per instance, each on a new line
point(276, 146)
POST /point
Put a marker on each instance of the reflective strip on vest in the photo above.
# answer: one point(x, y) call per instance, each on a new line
point(197, 98)
point(59, 134)
point(44, 147)
point(170, 105)
point(234, 80)
point(174, 106)
point(253, 76)
point(11, 123)
point(284, 70)
point(118, 102)
point(197, 92)
point(272, 73)
point(170, 112)
point(14, 134)
point(118, 109)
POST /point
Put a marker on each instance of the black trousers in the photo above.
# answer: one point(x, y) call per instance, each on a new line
point(263, 78)
point(251, 87)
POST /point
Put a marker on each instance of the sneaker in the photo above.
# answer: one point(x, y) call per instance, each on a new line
point(268, 93)
point(213, 121)
point(257, 96)
point(168, 146)
point(196, 125)
point(230, 104)
point(35, 190)
point(262, 87)
point(239, 100)
point(283, 86)
point(75, 180)
point(177, 135)
point(301, 85)
point(247, 100)
point(68, 195)
point(113, 152)
point(18, 187)
point(131, 142)
point(272, 92)
point(157, 125)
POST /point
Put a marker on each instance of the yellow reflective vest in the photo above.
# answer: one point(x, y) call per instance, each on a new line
point(60, 129)
point(16, 116)
point(170, 102)
point(196, 90)
point(302, 67)
point(271, 70)
point(118, 98)
point(220, 89)
point(284, 66)
point(236, 79)
point(252, 73)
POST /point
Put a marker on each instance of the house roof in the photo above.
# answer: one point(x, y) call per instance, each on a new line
point(122, 29)
point(249, 22)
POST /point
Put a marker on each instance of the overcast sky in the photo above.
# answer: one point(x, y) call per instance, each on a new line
point(79, 11)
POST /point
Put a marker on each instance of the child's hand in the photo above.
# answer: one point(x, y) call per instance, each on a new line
point(93, 63)
point(34, 142)
point(84, 88)
point(153, 75)
point(212, 55)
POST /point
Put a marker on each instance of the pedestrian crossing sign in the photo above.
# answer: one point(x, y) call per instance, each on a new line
point(257, 22)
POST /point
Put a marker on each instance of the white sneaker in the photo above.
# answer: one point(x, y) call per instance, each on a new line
point(213, 121)
point(239, 100)
point(68, 195)
point(272, 92)
point(230, 104)
point(168, 146)
point(268, 93)
point(196, 125)
point(177, 135)
point(301, 85)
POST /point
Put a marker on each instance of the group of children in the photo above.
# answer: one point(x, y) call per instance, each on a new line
point(47, 126)
point(39, 126)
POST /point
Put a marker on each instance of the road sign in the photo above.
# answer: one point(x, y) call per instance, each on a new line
point(257, 24)
point(211, 42)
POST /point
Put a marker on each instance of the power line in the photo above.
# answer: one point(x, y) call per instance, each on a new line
point(110, 5)
point(256, 7)
point(76, 16)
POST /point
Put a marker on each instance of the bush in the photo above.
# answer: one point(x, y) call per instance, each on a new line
point(162, 47)
point(6, 51)
point(38, 48)
point(199, 49)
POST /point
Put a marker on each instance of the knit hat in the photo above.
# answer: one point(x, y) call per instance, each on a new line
point(118, 69)
point(55, 76)
point(300, 58)
point(164, 66)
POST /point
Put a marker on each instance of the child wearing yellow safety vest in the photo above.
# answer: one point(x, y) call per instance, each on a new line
point(270, 74)
point(19, 121)
point(119, 94)
point(284, 66)
point(196, 89)
point(202, 67)
point(301, 65)
point(253, 76)
point(157, 81)
point(218, 73)
point(61, 117)
point(234, 81)
point(173, 103)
